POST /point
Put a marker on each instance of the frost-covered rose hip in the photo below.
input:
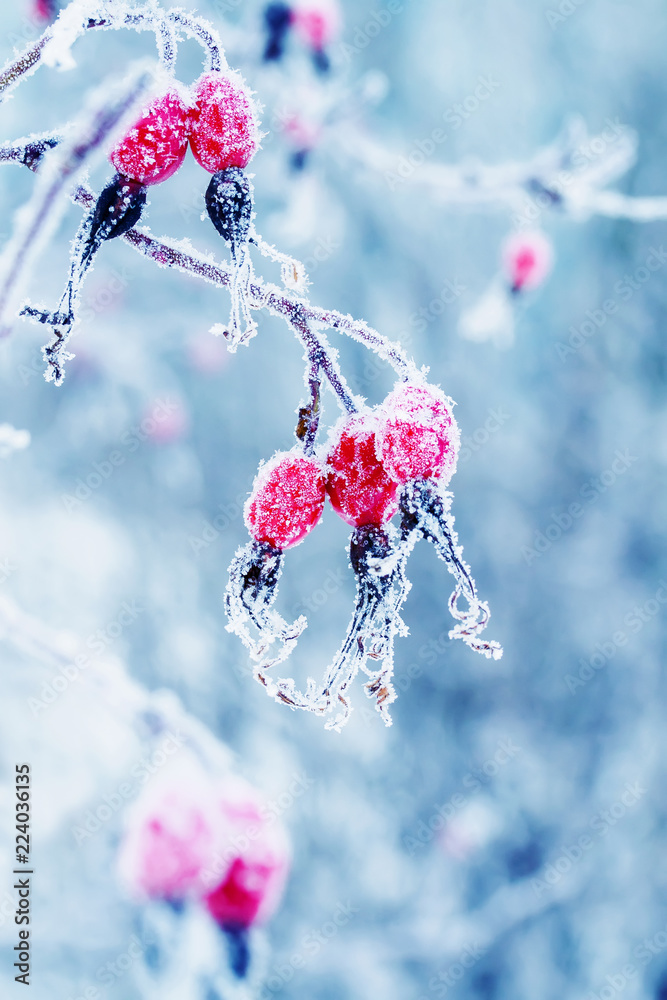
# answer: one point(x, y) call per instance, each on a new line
point(287, 500)
point(154, 148)
point(527, 260)
point(224, 131)
point(418, 437)
point(359, 488)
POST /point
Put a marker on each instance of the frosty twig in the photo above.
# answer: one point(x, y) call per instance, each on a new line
point(38, 218)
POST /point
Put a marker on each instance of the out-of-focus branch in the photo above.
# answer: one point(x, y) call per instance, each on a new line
point(567, 176)
point(145, 711)
point(102, 15)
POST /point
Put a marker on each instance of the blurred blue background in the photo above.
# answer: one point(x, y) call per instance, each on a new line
point(455, 836)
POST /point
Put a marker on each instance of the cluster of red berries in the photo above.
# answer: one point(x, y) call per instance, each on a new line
point(218, 123)
point(395, 458)
point(413, 435)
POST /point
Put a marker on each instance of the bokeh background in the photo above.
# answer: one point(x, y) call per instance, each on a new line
point(454, 837)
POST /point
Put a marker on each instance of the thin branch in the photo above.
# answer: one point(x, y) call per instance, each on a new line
point(324, 358)
point(300, 315)
point(622, 206)
point(167, 253)
point(25, 64)
point(153, 711)
point(207, 37)
point(39, 216)
point(554, 178)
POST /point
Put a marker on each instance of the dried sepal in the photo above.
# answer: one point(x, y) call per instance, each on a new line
point(309, 415)
point(425, 510)
point(378, 559)
point(249, 597)
point(118, 209)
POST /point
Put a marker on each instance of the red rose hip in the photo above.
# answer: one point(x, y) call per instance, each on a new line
point(250, 888)
point(154, 148)
point(224, 131)
point(287, 500)
point(419, 438)
point(359, 488)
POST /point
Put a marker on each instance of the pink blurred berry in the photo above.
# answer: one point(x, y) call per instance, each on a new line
point(301, 133)
point(189, 836)
point(257, 855)
point(154, 148)
point(224, 131)
point(359, 488)
point(45, 10)
point(166, 422)
point(317, 22)
point(418, 438)
point(207, 354)
point(170, 838)
point(527, 260)
point(287, 500)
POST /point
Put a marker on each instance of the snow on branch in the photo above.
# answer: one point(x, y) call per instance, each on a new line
point(567, 176)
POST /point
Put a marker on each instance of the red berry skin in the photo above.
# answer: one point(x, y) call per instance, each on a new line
point(359, 488)
point(419, 438)
point(224, 131)
point(237, 901)
point(287, 500)
point(154, 148)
